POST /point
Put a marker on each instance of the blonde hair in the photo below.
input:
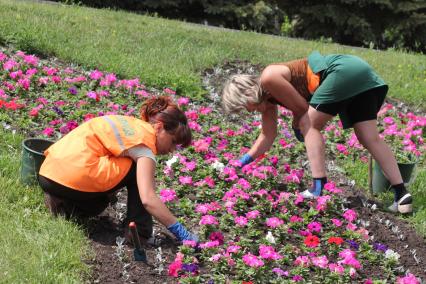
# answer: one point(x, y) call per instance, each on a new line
point(239, 91)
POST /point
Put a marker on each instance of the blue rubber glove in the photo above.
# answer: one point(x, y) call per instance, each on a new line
point(181, 233)
point(298, 134)
point(246, 159)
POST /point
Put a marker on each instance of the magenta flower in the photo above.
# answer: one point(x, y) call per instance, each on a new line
point(252, 260)
point(314, 227)
point(167, 195)
point(48, 131)
point(217, 236)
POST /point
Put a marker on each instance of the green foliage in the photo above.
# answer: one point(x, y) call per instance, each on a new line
point(379, 23)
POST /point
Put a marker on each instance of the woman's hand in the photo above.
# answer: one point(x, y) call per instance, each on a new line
point(296, 129)
point(181, 233)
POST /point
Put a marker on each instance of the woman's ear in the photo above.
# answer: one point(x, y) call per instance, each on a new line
point(158, 125)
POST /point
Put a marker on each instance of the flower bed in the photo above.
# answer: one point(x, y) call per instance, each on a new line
point(254, 225)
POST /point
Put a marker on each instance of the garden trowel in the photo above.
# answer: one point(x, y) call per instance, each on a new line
point(138, 253)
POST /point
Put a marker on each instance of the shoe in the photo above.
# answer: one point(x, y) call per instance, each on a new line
point(308, 194)
point(404, 205)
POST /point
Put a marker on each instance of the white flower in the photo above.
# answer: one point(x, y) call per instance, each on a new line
point(270, 238)
point(392, 254)
point(218, 166)
point(173, 160)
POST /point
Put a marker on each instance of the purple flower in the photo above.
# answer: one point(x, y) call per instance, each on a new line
point(73, 90)
point(58, 110)
point(380, 247)
point(192, 267)
point(354, 245)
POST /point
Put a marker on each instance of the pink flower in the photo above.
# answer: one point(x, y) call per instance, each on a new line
point(167, 195)
point(337, 222)
point(24, 83)
point(210, 244)
point(233, 249)
point(215, 257)
point(183, 101)
point(185, 180)
point(92, 95)
point(408, 279)
point(268, 252)
point(295, 219)
point(48, 131)
point(342, 149)
point(351, 261)
point(314, 227)
point(176, 265)
point(320, 261)
point(189, 243)
point(388, 120)
point(252, 214)
point(208, 220)
point(302, 260)
point(241, 221)
point(169, 91)
point(3, 94)
point(274, 222)
point(350, 215)
point(96, 74)
point(31, 60)
point(347, 253)
point(252, 260)
point(336, 268)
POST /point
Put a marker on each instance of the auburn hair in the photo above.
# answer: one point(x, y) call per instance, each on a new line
point(174, 120)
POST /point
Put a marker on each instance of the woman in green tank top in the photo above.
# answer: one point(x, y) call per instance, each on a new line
point(316, 89)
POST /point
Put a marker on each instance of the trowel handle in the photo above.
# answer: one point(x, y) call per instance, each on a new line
point(135, 235)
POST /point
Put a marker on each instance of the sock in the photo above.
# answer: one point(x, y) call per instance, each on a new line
point(318, 185)
point(399, 190)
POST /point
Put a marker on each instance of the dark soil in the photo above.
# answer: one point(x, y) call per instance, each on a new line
point(111, 266)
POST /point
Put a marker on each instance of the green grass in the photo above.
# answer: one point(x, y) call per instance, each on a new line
point(171, 53)
point(35, 247)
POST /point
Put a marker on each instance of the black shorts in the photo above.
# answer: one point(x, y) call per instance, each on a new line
point(362, 107)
